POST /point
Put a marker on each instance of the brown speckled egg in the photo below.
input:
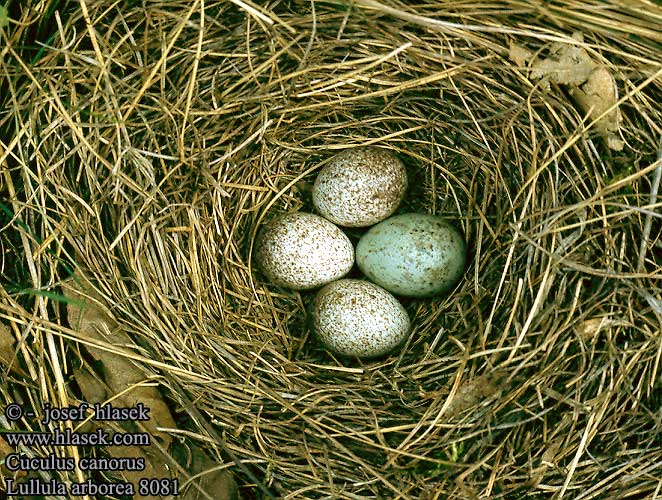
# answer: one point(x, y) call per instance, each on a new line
point(358, 318)
point(301, 251)
point(360, 187)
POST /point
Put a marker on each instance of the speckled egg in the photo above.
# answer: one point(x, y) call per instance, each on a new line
point(415, 255)
point(358, 318)
point(360, 187)
point(301, 251)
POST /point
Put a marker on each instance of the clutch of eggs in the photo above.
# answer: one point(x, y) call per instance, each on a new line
point(415, 255)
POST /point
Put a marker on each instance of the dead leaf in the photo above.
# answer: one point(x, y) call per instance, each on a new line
point(592, 86)
point(87, 313)
point(8, 352)
point(155, 463)
point(7, 345)
point(519, 55)
point(92, 388)
point(597, 96)
point(589, 329)
point(5, 450)
point(473, 392)
point(550, 452)
point(567, 64)
point(7, 359)
point(547, 460)
point(217, 483)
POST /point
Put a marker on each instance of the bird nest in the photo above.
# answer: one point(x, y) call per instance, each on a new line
point(145, 143)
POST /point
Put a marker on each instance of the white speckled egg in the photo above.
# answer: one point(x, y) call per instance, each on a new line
point(415, 255)
point(358, 318)
point(302, 251)
point(360, 187)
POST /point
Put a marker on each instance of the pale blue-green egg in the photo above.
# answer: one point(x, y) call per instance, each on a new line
point(415, 255)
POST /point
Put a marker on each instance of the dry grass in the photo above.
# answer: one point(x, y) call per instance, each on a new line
point(148, 140)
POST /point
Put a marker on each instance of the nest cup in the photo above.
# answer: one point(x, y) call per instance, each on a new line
point(154, 140)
